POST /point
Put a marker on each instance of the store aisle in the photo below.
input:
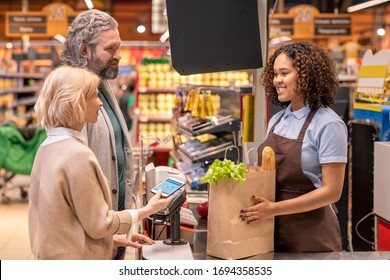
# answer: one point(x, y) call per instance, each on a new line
point(14, 241)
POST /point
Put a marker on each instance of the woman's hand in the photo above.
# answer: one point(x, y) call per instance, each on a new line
point(121, 241)
point(155, 204)
point(263, 209)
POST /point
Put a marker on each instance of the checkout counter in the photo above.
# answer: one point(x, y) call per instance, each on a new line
point(199, 244)
point(196, 248)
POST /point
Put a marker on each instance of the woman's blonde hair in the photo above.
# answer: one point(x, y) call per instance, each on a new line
point(61, 101)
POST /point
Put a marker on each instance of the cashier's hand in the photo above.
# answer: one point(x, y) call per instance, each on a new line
point(262, 210)
point(121, 241)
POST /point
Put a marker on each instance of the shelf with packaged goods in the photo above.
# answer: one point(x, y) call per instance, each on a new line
point(347, 78)
point(202, 137)
point(25, 101)
point(195, 165)
point(147, 119)
point(27, 89)
point(206, 156)
point(153, 109)
point(217, 141)
point(226, 124)
point(19, 82)
point(37, 76)
point(155, 90)
point(18, 93)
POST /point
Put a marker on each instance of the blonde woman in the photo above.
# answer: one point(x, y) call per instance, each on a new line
point(70, 207)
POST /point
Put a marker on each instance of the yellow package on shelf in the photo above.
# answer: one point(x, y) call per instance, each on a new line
point(248, 118)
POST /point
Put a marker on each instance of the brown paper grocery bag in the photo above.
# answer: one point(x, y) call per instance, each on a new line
point(228, 237)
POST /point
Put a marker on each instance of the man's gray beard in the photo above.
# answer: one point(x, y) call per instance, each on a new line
point(108, 73)
point(104, 73)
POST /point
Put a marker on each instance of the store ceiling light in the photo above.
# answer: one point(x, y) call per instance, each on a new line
point(381, 32)
point(366, 5)
point(89, 4)
point(9, 45)
point(60, 38)
point(141, 28)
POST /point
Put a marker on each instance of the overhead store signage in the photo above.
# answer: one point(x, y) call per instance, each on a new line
point(26, 19)
point(19, 23)
point(281, 26)
point(332, 26)
point(306, 22)
point(281, 21)
point(23, 29)
point(53, 19)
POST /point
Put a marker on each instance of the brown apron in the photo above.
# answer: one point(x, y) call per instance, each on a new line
point(313, 231)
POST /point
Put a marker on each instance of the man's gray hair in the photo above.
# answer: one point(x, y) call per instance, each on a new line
point(86, 28)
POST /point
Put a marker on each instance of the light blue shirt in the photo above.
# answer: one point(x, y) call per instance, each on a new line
point(325, 141)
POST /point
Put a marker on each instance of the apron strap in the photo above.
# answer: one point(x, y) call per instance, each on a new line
point(273, 127)
point(306, 124)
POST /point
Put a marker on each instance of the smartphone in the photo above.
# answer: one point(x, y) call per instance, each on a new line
point(168, 186)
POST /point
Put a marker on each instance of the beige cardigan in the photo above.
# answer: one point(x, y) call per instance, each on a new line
point(70, 214)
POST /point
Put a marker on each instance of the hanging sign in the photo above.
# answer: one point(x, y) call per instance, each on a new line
point(332, 26)
point(53, 19)
point(306, 22)
point(281, 25)
point(22, 23)
point(59, 16)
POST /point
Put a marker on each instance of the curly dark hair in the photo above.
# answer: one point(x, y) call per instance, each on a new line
point(317, 79)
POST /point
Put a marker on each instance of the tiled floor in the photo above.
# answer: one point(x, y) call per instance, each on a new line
point(14, 240)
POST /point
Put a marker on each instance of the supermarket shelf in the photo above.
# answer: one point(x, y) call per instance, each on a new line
point(228, 126)
point(145, 119)
point(25, 101)
point(22, 75)
point(347, 78)
point(19, 90)
point(155, 90)
point(208, 156)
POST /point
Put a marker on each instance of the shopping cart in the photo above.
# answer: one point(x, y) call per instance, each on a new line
point(18, 147)
point(146, 154)
point(141, 156)
point(144, 150)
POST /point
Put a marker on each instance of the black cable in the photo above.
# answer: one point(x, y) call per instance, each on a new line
point(159, 235)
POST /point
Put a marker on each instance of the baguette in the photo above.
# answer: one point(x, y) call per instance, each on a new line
point(268, 159)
